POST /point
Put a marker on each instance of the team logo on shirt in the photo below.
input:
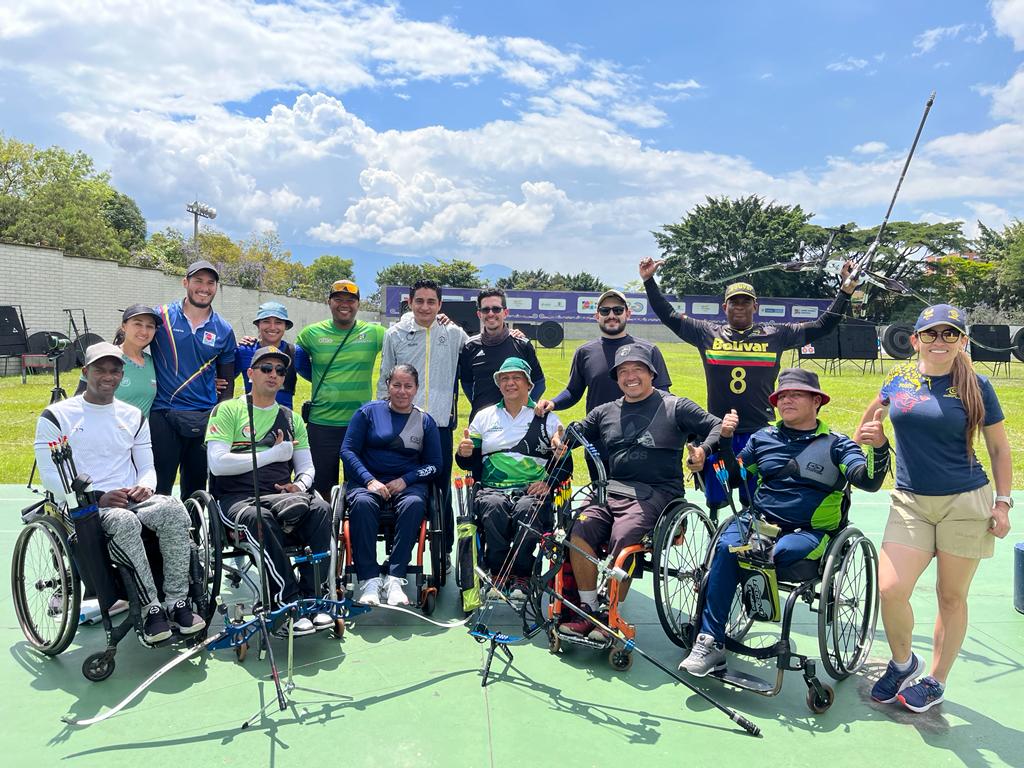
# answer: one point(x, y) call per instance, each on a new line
point(951, 392)
point(246, 432)
point(209, 338)
point(214, 430)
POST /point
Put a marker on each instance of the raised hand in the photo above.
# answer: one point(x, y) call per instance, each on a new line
point(730, 421)
point(558, 442)
point(695, 457)
point(872, 432)
point(465, 445)
point(845, 283)
point(649, 266)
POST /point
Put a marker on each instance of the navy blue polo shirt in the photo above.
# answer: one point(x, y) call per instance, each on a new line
point(186, 360)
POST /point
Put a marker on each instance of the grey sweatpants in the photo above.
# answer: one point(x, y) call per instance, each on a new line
point(165, 516)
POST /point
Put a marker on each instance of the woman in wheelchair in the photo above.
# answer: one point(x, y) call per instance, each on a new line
point(391, 454)
point(111, 444)
point(509, 447)
point(801, 469)
point(290, 513)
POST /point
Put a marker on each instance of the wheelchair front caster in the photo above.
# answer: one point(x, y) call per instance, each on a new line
point(820, 704)
point(98, 666)
point(429, 602)
point(241, 650)
point(620, 660)
point(339, 627)
point(554, 642)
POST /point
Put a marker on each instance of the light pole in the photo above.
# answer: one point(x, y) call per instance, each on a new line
point(198, 209)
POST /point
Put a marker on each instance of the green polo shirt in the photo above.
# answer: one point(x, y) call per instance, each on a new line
point(349, 382)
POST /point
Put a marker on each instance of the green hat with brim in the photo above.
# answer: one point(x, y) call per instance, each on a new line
point(514, 365)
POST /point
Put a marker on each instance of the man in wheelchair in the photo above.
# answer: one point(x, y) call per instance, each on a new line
point(111, 443)
point(508, 446)
point(291, 513)
point(801, 470)
point(642, 434)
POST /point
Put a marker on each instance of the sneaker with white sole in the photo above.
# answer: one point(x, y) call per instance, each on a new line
point(519, 588)
point(155, 628)
point(322, 621)
point(889, 685)
point(184, 619)
point(705, 657)
point(300, 627)
point(393, 592)
point(370, 594)
point(922, 695)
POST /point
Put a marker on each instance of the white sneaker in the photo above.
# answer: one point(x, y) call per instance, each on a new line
point(322, 621)
point(371, 592)
point(393, 591)
point(301, 627)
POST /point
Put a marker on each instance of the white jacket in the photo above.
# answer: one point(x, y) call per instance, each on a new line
point(434, 353)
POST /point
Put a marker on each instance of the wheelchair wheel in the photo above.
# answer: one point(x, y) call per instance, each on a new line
point(681, 540)
point(848, 610)
point(207, 535)
point(435, 540)
point(46, 587)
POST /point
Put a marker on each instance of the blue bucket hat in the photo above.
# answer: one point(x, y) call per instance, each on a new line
point(941, 314)
point(273, 309)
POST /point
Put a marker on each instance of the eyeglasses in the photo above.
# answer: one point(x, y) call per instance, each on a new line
point(618, 309)
point(267, 368)
point(949, 334)
point(491, 310)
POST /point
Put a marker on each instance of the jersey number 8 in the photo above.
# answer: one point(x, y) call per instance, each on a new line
point(738, 381)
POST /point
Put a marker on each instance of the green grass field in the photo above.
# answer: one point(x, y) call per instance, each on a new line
point(20, 403)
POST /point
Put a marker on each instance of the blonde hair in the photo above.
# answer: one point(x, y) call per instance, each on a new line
point(965, 380)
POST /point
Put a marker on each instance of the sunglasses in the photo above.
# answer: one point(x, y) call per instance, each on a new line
point(949, 334)
point(491, 310)
point(267, 368)
point(618, 309)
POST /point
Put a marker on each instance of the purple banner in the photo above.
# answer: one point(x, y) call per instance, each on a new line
point(573, 307)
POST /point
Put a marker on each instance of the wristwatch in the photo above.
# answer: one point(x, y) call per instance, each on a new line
point(1008, 500)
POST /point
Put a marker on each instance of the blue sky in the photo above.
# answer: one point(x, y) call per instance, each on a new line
point(533, 134)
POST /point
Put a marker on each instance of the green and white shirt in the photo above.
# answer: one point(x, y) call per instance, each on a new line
point(349, 382)
point(507, 461)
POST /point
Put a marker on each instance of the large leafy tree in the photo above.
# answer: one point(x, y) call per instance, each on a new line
point(456, 273)
point(122, 214)
point(322, 273)
point(723, 237)
point(540, 280)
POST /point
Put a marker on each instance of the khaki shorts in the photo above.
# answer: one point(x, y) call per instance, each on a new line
point(957, 524)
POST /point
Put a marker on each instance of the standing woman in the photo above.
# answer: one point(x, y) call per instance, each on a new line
point(943, 504)
point(391, 452)
point(138, 386)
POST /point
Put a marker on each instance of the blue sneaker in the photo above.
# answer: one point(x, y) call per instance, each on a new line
point(923, 695)
point(893, 681)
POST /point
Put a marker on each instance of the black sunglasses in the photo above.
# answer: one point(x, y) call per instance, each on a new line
point(490, 310)
point(618, 309)
point(948, 334)
point(267, 368)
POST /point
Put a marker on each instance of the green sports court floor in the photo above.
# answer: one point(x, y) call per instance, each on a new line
point(398, 692)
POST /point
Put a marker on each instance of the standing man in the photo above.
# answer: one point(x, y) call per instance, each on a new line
point(271, 322)
point(339, 357)
point(592, 361)
point(484, 353)
point(741, 357)
point(419, 340)
point(191, 350)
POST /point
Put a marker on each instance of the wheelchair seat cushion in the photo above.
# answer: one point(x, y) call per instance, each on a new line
point(798, 572)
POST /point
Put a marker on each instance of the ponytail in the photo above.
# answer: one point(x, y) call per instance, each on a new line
point(965, 381)
point(119, 336)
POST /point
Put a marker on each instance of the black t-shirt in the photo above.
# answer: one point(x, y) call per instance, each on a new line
point(589, 371)
point(644, 441)
point(740, 367)
point(478, 363)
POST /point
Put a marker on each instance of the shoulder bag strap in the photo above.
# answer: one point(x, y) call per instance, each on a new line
point(334, 357)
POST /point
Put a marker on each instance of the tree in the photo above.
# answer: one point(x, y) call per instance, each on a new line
point(122, 214)
point(322, 273)
point(724, 237)
point(165, 250)
point(964, 282)
point(454, 274)
point(540, 280)
point(582, 281)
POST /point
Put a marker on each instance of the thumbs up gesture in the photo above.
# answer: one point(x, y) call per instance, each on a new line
point(465, 445)
point(695, 457)
point(730, 421)
point(872, 432)
point(558, 442)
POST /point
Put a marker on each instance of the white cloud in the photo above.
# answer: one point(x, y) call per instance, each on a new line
point(1008, 16)
point(1007, 99)
point(871, 148)
point(927, 40)
point(849, 64)
point(679, 85)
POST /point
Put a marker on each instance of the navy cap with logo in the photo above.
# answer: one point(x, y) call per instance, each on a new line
point(633, 353)
point(264, 352)
point(941, 314)
point(141, 309)
point(199, 266)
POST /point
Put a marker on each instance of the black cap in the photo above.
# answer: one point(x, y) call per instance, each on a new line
point(264, 352)
point(634, 353)
point(141, 309)
point(197, 266)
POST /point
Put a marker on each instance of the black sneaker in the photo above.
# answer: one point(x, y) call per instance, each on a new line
point(183, 618)
point(155, 628)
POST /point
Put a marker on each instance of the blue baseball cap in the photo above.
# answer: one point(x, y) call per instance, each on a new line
point(272, 309)
point(941, 314)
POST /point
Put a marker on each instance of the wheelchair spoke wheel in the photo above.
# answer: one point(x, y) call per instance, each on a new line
point(681, 541)
point(207, 543)
point(45, 585)
point(849, 605)
point(740, 621)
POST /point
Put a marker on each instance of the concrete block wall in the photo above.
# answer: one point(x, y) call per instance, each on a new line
point(44, 281)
